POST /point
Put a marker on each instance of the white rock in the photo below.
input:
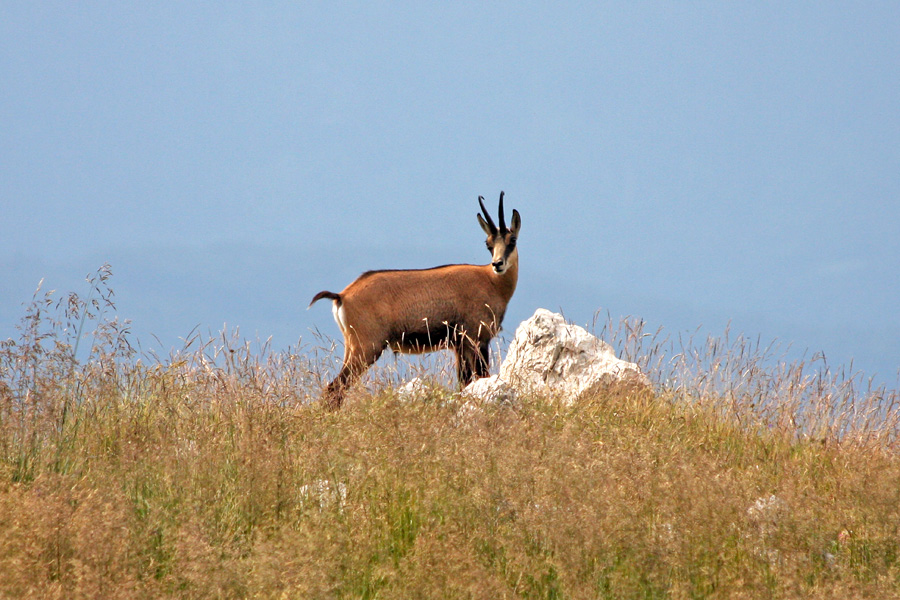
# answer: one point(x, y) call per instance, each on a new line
point(491, 389)
point(323, 493)
point(412, 388)
point(553, 357)
point(765, 516)
point(767, 511)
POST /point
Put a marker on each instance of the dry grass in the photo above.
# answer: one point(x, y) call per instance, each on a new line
point(211, 474)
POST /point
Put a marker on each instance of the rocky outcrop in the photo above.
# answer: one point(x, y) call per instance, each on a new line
point(492, 388)
point(553, 358)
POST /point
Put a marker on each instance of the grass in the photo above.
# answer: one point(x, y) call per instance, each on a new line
point(213, 473)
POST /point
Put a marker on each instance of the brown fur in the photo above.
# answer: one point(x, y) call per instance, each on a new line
point(459, 307)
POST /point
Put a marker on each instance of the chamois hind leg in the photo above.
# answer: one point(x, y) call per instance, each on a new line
point(356, 361)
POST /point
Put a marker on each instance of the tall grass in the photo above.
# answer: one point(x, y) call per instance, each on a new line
point(213, 473)
point(756, 385)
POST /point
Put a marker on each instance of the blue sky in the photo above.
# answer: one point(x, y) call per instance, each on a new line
point(691, 164)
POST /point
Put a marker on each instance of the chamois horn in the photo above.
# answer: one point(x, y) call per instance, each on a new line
point(503, 228)
point(487, 216)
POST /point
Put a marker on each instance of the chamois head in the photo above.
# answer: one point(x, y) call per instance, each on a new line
point(501, 241)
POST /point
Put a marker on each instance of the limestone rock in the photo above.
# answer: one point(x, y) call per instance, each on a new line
point(491, 389)
point(413, 388)
point(550, 356)
point(323, 493)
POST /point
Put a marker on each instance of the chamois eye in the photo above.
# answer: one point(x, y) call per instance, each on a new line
point(488, 244)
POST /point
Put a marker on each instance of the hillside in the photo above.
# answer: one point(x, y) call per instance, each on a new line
point(214, 473)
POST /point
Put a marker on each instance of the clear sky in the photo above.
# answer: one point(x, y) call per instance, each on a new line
point(693, 164)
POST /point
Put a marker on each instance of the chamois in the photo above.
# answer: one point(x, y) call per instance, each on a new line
point(459, 307)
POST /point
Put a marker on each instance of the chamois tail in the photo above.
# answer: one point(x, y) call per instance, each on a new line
point(325, 294)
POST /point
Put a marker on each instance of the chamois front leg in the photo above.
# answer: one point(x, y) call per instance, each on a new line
point(464, 365)
point(356, 361)
point(483, 362)
point(471, 361)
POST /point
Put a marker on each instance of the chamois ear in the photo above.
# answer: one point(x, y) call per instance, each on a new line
point(516, 223)
point(488, 226)
point(484, 225)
